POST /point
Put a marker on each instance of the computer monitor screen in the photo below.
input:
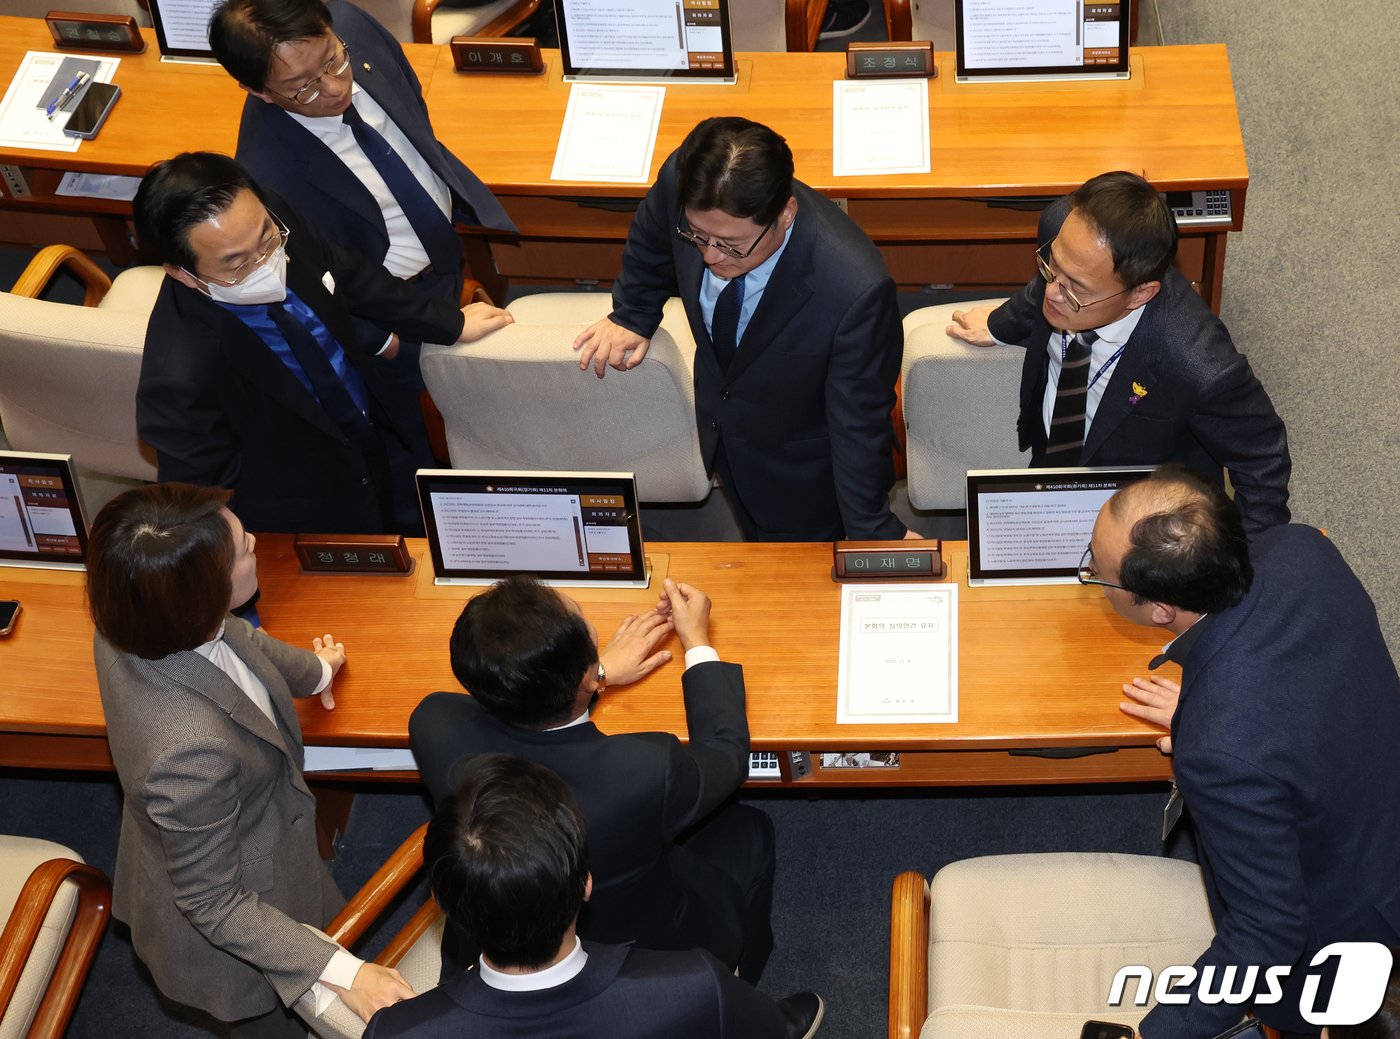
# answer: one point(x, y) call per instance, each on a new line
point(1041, 39)
point(646, 39)
point(182, 28)
point(566, 528)
point(42, 523)
point(1031, 526)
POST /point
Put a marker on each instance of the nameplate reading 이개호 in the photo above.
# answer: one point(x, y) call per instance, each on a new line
point(899, 654)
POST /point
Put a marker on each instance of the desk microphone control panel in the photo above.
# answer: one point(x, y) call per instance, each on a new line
point(1200, 208)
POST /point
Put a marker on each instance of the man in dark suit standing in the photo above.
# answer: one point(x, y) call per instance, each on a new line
point(335, 123)
point(1125, 364)
point(254, 376)
point(1283, 732)
point(677, 863)
point(798, 334)
point(508, 856)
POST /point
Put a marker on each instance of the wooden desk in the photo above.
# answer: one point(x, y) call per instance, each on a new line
point(1175, 121)
point(1040, 667)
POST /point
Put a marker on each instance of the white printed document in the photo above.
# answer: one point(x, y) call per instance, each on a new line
point(899, 654)
point(879, 127)
point(609, 134)
point(24, 121)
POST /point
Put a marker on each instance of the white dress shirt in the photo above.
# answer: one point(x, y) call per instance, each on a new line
point(551, 977)
point(1103, 358)
point(406, 256)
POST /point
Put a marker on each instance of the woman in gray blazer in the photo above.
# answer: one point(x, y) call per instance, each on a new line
point(217, 866)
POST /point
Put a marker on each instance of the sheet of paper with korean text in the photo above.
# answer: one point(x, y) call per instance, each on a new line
point(899, 654)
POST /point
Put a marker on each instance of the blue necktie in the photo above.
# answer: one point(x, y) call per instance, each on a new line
point(434, 230)
point(343, 399)
point(724, 323)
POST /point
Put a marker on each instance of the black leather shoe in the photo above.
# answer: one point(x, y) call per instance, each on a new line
point(804, 1011)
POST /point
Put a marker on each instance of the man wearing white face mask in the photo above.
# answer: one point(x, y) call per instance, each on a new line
point(254, 377)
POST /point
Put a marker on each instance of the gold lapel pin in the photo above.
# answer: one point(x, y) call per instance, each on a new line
point(366, 67)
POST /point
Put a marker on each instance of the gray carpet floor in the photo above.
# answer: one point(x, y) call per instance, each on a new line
point(1304, 298)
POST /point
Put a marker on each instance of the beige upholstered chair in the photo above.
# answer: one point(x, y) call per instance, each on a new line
point(415, 951)
point(54, 910)
point(1026, 946)
point(960, 407)
point(517, 400)
point(68, 374)
point(435, 23)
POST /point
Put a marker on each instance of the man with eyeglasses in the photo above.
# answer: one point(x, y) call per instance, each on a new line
point(798, 335)
point(1283, 733)
point(255, 376)
point(1125, 364)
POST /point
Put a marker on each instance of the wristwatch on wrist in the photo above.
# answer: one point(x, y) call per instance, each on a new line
point(602, 678)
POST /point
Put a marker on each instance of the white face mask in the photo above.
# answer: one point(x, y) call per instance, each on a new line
point(267, 284)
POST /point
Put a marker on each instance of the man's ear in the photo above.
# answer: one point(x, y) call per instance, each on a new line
point(183, 276)
point(1143, 294)
point(790, 212)
point(1162, 614)
point(588, 887)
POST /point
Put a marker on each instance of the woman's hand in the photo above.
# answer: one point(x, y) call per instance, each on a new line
point(333, 653)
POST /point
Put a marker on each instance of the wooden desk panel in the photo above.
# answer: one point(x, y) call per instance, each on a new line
point(1175, 122)
point(1040, 667)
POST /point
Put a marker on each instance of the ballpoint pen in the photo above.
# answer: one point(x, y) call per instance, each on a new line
point(67, 94)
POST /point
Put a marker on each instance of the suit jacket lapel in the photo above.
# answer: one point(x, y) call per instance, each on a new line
point(323, 170)
point(241, 642)
point(1119, 396)
point(787, 292)
point(205, 679)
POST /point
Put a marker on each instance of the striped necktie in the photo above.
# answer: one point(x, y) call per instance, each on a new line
point(1065, 442)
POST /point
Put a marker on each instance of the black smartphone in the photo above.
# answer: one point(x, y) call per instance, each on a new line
point(9, 610)
point(91, 111)
point(1105, 1030)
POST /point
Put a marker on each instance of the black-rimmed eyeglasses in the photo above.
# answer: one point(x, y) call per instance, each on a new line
point(701, 242)
point(1052, 276)
point(1088, 575)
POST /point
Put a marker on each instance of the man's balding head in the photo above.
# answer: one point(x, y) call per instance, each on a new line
point(1174, 539)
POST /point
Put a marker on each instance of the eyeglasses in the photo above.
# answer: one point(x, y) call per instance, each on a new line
point(335, 66)
point(701, 242)
point(1088, 575)
point(275, 239)
point(1051, 276)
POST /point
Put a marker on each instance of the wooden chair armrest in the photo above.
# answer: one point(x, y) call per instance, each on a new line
point(499, 26)
point(909, 918)
point(899, 20)
point(399, 945)
point(372, 899)
point(89, 920)
point(475, 292)
point(49, 261)
point(803, 23)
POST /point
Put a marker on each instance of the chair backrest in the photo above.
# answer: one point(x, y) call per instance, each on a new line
point(54, 910)
point(1044, 934)
point(68, 376)
point(517, 400)
point(922, 20)
point(960, 407)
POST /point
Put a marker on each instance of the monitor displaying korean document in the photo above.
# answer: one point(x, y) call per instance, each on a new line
point(567, 529)
point(1000, 40)
point(646, 40)
point(1031, 526)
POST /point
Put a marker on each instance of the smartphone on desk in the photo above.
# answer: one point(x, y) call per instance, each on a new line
point(92, 110)
point(9, 610)
point(1105, 1030)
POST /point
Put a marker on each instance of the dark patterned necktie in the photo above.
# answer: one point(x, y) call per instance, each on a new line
point(724, 323)
point(1065, 442)
point(434, 230)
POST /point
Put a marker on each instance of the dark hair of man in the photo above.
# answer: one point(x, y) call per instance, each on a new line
point(1188, 548)
point(522, 653)
point(245, 34)
point(159, 568)
point(734, 165)
point(507, 858)
point(179, 194)
point(1134, 221)
point(1385, 1023)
